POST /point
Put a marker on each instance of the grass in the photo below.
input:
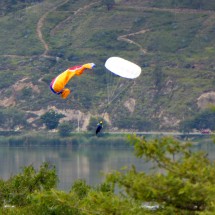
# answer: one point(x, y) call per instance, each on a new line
point(53, 138)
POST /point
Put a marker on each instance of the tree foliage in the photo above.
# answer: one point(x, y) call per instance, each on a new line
point(181, 181)
point(159, 78)
point(109, 3)
point(93, 124)
point(51, 119)
point(202, 120)
point(184, 180)
point(18, 188)
point(11, 117)
point(65, 128)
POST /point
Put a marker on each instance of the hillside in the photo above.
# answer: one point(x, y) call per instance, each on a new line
point(172, 41)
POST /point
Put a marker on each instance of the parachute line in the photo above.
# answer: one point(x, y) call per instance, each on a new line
point(116, 96)
point(119, 78)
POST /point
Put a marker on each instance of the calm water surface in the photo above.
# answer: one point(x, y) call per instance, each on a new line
point(77, 162)
point(80, 162)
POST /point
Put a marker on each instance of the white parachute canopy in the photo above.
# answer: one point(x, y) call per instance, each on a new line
point(122, 67)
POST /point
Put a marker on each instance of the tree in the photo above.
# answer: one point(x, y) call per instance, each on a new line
point(159, 78)
point(186, 126)
point(205, 119)
point(184, 184)
point(65, 129)
point(17, 189)
point(202, 120)
point(93, 124)
point(81, 200)
point(109, 3)
point(51, 119)
point(11, 117)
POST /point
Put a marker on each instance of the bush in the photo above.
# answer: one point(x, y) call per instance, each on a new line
point(65, 128)
point(16, 190)
point(51, 119)
point(11, 117)
point(93, 124)
point(203, 120)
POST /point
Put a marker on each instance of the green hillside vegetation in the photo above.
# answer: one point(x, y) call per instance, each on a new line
point(173, 42)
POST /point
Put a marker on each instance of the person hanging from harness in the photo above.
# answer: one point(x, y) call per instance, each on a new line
point(57, 86)
point(99, 127)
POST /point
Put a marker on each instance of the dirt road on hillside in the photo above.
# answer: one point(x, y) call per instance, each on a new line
point(125, 38)
point(40, 25)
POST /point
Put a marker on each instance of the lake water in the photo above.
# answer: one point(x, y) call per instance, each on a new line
point(77, 162)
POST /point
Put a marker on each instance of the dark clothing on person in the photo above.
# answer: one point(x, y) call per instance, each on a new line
point(99, 127)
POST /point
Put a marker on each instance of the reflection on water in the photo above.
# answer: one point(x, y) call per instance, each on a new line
point(74, 162)
point(86, 161)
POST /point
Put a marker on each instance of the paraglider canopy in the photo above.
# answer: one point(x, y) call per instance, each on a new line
point(122, 67)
